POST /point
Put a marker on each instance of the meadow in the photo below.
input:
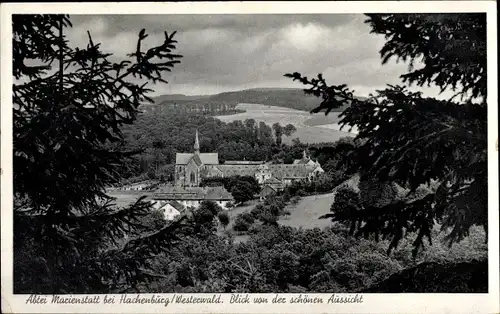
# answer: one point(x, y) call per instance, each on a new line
point(305, 214)
point(125, 198)
point(309, 126)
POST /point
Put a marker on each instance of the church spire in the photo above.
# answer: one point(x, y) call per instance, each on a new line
point(196, 144)
point(304, 155)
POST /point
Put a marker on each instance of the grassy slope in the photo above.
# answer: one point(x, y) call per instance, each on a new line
point(125, 198)
point(306, 123)
point(321, 119)
point(306, 213)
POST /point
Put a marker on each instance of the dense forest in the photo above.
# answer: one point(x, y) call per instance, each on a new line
point(158, 136)
point(216, 108)
point(285, 259)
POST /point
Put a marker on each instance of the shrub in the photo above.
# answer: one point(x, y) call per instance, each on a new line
point(376, 193)
point(286, 196)
point(301, 192)
point(257, 211)
point(154, 220)
point(255, 228)
point(295, 200)
point(243, 222)
point(346, 201)
point(223, 218)
point(241, 225)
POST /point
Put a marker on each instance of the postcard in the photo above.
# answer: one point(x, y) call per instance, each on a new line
point(250, 157)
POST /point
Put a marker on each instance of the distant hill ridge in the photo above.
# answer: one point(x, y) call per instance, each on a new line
point(293, 98)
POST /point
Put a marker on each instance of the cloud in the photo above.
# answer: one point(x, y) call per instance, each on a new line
point(306, 37)
point(189, 22)
point(230, 52)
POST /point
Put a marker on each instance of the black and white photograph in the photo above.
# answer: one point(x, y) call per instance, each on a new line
point(343, 154)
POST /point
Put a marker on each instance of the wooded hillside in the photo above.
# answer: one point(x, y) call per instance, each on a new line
point(284, 97)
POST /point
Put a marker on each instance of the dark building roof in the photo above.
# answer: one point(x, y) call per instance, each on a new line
point(301, 161)
point(243, 162)
point(216, 193)
point(175, 189)
point(177, 205)
point(278, 171)
point(290, 171)
point(141, 182)
point(268, 188)
point(238, 170)
point(272, 180)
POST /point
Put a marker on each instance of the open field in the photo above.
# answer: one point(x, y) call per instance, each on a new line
point(307, 212)
point(337, 127)
point(268, 114)
point(309, 126)
point(316, 135)
point(320, 119)
point(125, 198)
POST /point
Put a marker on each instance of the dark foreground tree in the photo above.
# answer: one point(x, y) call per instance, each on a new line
point(411, 140)
point(69, 105)
point(434, 277)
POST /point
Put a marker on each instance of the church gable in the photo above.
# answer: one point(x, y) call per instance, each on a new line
point(195, 159)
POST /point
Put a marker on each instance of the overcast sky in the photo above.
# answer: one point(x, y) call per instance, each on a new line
point(233, 52)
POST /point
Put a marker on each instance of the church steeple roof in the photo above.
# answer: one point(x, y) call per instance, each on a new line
point(196, 143)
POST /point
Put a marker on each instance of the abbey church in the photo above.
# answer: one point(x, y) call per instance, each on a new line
point(191, 168)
